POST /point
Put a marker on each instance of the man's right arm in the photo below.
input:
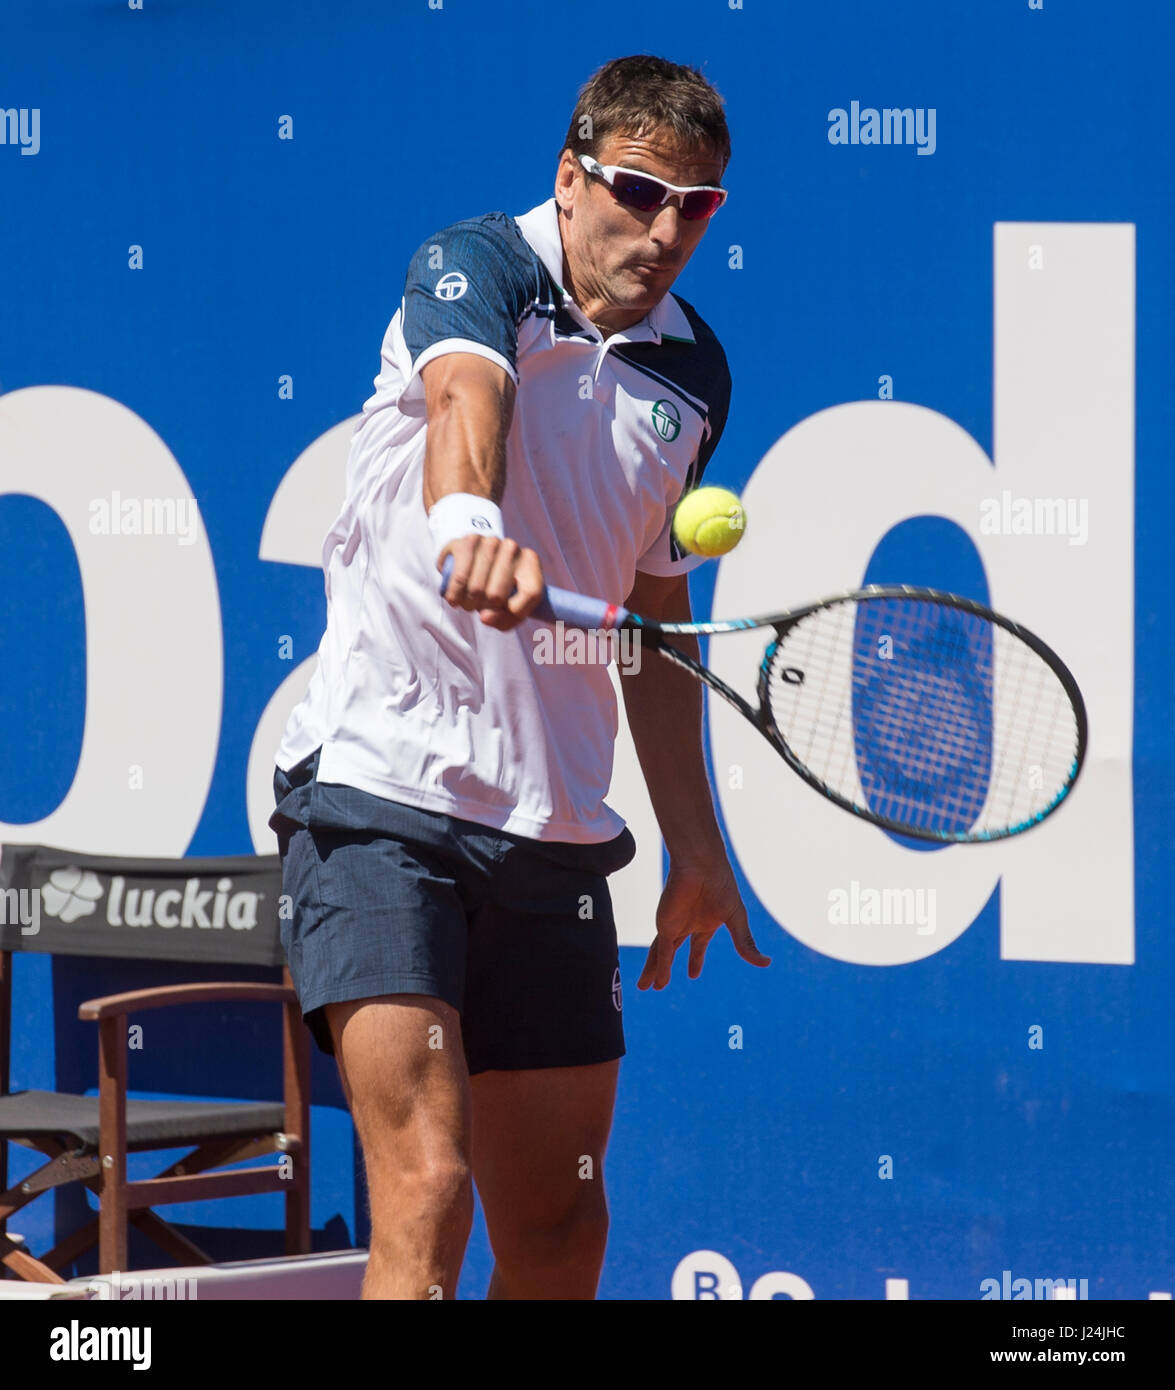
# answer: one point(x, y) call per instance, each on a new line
point(469, 402)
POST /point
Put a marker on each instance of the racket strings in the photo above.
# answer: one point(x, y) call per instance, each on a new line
point(901, 763)
point(924, 714)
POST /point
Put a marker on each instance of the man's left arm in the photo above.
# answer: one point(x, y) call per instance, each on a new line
point(664, 707)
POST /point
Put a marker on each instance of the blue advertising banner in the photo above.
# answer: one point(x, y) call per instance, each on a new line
point(943, 281)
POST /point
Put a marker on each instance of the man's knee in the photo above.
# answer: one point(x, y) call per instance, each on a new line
point(574, 1233)
point(414, 1162)
point(441, 1182)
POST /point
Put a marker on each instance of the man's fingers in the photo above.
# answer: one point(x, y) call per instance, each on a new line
point(499, 583)
point(497, 579)
point(649, 970)
point(659, 963)
point(697, 952)
point(675, 920)
point(490, 602)
point(521, 580)
point(665, 959)
point(461, 552)
point(528, 579)
point(744, 942)
point(477, 585)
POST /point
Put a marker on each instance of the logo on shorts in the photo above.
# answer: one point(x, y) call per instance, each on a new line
point(451, 286)
point(667, 419)
point(617, 1001)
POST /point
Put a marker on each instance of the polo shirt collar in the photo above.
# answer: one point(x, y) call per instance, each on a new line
point(540, 228)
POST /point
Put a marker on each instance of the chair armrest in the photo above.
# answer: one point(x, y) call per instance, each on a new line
point(139, 1000)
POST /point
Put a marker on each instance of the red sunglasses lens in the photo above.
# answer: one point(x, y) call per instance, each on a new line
point(700, 204)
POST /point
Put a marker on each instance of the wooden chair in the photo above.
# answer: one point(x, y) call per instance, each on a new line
point(79, 902)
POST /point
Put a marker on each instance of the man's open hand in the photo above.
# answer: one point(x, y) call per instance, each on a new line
point(696, 901)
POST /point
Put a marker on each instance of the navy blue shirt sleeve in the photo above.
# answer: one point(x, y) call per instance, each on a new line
point(470, 283)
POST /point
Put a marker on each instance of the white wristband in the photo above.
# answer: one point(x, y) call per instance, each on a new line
point(463, 514)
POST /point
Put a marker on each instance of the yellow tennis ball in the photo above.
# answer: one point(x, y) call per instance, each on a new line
point(709, 521)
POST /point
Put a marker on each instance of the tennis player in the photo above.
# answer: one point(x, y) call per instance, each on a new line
point(543, 402)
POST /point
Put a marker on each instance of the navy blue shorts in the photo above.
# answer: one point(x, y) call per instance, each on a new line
point(516, 934)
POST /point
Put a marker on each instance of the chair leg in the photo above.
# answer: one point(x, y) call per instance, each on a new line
point(298, 1218)
point(296, 1089)
point(5, 1061)
point(24, 1266)
point(112, 1210)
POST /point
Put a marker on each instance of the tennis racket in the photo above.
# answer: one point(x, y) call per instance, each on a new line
point(924, 713)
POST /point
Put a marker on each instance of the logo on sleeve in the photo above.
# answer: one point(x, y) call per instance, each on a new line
point(667, 419)
point(451, 286)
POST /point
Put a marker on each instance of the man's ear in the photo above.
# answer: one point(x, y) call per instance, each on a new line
point(567, 175)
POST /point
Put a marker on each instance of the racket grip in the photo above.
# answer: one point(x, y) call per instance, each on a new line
point(562, 605)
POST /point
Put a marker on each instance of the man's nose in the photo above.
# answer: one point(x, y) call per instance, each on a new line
point(666, 226)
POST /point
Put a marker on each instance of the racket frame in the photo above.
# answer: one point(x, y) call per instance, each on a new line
point(762, 718)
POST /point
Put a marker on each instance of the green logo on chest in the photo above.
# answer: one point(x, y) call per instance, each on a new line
point(667, 419)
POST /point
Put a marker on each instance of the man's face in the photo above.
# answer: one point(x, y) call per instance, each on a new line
point(621, 262)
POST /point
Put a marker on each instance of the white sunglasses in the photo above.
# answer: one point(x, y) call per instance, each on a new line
point(643, 192)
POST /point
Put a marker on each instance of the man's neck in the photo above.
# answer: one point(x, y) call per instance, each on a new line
point(599, 313)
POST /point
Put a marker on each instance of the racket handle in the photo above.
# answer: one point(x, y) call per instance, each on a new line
point(561, 605)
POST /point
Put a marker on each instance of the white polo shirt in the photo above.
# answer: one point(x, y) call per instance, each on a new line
point(421, 703)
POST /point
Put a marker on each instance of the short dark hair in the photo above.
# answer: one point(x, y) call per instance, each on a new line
point(640, 94)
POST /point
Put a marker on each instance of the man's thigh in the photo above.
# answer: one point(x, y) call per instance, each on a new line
point(538, 1145)
point(403, 1071)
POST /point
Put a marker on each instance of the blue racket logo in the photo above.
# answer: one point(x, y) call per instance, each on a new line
point(923, 716)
